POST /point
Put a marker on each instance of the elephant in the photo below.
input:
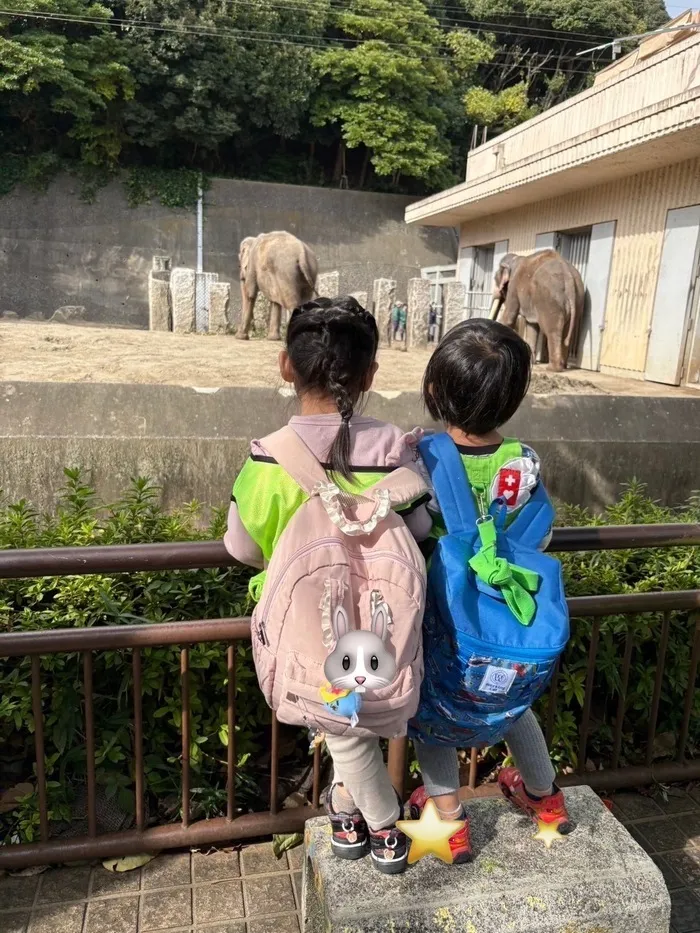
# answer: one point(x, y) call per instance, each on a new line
point(281, 267)
point(548, 292)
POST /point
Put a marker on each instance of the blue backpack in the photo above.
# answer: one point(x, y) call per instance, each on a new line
point(496, 617)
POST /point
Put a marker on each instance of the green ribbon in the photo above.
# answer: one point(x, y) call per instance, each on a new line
point(516, 583)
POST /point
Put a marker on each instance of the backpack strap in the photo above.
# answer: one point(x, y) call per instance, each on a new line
point(449, 479)
point(295, 458)
point(404, 486)
point(534, 520)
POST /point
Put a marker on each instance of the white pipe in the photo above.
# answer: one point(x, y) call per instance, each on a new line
point(200, 230)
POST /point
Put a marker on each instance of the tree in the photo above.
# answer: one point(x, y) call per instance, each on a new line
point(63, 85)
point(381, 84)
point(221, 68)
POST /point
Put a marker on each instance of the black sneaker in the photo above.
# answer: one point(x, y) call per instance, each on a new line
point(350, 839)
point(389, 850)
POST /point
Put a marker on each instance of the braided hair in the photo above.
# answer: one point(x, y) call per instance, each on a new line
point(332, 343)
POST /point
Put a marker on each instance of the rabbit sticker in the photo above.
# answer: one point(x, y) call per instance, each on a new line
point(360, 661)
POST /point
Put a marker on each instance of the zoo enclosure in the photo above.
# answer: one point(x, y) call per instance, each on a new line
point(135, 638)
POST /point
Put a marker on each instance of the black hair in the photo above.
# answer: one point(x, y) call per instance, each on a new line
point(477, 377)
point(332, 343)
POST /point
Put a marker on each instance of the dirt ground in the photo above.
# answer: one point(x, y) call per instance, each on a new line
point(37, 352)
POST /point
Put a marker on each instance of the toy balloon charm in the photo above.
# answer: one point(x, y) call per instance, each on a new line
point(342, 702)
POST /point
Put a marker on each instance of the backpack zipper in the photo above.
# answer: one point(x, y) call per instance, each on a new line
point(322, 542)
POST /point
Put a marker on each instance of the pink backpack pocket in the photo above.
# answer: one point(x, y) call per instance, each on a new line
point(337, 635)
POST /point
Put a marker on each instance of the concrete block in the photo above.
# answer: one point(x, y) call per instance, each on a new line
point(453, 297)
point(162, 264)
point(360, 297)
point(219, 303)
point(261, 315)
point(328, 284)
point(182, 290)
point(418, 313)
point(597, 880)
point(383, 295)
point(160, 312)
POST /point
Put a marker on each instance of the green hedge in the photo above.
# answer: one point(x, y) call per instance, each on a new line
point(59, 602)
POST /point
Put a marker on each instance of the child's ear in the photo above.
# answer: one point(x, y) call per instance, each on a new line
point(286, 368)
point(369, 378)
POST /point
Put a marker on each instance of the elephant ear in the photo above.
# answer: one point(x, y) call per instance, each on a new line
point(244, 255)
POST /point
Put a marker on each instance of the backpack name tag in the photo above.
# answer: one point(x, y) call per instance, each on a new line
point(497, 680)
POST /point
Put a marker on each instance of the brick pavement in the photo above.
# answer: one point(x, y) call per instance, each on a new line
point(222, 892)
point(253, 892)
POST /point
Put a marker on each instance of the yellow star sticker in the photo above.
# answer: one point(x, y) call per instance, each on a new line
point(430, 835)
point(547, 833)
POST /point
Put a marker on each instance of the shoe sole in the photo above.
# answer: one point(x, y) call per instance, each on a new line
point(351, 852)
point(387, 867)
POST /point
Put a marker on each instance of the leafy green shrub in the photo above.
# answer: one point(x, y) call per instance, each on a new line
point(122, 599)
point(628, 571)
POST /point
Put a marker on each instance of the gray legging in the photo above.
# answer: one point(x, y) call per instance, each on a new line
point(526, 743)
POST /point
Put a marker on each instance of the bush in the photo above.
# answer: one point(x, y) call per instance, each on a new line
point(60, 602)
point(628, 571)
point(122, 599)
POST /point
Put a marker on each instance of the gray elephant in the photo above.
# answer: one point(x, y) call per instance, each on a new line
point(548, 292)
point(281, 267)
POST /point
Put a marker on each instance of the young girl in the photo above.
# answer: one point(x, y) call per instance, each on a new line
point(474, 383)
point(330, 360)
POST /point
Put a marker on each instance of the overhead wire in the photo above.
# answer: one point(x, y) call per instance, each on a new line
point(319, 43)
point(540, 32)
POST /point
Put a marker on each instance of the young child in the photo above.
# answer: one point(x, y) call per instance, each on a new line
point(330, 353)
point(474, 383)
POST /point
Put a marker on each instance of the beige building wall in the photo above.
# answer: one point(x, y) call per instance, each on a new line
point(639, 205)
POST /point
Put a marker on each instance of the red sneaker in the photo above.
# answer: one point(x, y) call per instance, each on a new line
point(550, 809)
point(460, 843)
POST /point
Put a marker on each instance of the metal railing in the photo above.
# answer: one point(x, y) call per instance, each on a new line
point(134, 638)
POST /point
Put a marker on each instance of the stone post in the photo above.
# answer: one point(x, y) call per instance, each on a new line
point(383, 294)
point(182, 285)
point(361, 297)
point(327, 284)
point(261, 315)
point(159, 304)
point(219, 302)
point(603, 881)
point(418, 313)
point(453, 297)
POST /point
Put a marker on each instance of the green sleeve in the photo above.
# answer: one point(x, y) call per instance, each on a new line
point(266, 498)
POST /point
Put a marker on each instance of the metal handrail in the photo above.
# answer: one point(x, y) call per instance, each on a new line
point(194, 555)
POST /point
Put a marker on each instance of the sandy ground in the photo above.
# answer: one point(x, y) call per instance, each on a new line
point(36, 352)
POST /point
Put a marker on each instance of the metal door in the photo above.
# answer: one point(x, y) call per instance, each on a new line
point(590, 333)
point(669, 323)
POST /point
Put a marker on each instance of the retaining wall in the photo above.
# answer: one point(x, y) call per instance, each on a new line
point(56, 250)
point(192, 442)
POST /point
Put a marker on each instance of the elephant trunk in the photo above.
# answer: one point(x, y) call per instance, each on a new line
point(495, 307)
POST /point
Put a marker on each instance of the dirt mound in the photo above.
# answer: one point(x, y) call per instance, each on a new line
point(544, 383)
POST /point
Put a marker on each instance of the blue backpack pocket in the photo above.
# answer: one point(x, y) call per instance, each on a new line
point(488, 654)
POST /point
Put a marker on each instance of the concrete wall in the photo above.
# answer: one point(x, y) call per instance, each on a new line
point(56, 250)
point(639, 205)
point(192, 442)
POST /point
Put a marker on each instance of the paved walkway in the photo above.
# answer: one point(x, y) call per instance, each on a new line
point(670, 832)
point(253, 892)
point(223, 892)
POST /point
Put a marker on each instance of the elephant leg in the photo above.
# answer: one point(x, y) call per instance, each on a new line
point(556, 350)
point(247, 305)
point(273, 332)
point(532, 332)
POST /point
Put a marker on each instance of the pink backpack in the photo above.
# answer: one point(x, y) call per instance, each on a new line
point(337, 634)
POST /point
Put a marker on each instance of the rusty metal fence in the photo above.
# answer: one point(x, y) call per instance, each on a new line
point(135, 638)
